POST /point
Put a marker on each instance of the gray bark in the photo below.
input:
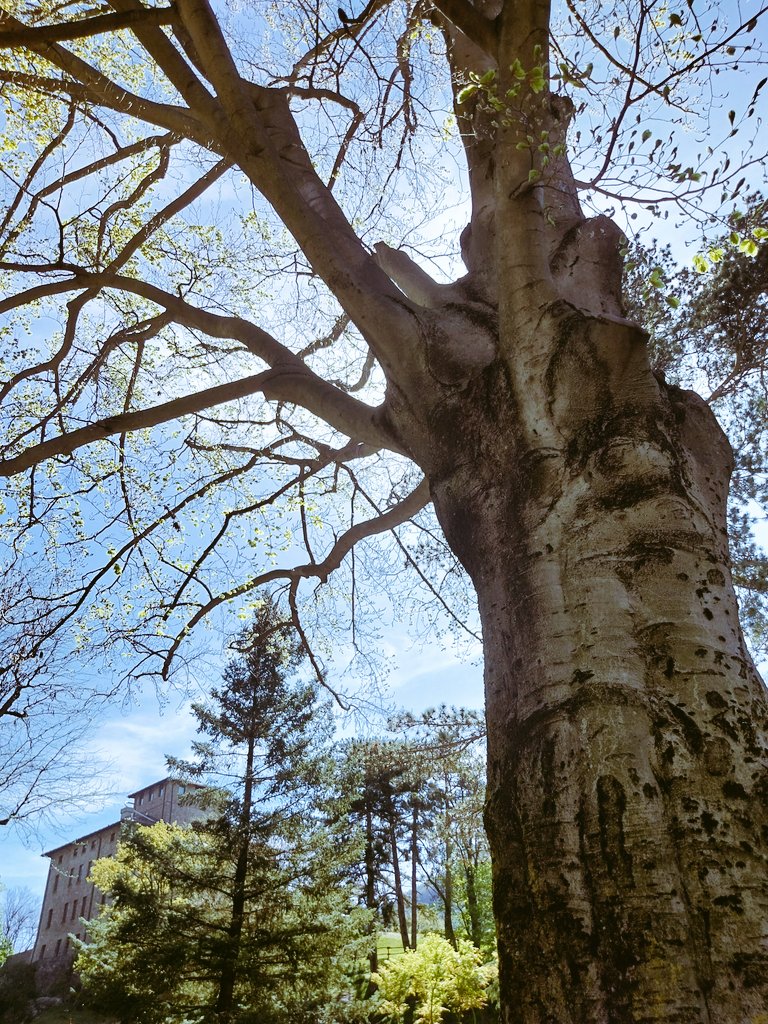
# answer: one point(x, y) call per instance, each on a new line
point(628, 790)
point(628, 787)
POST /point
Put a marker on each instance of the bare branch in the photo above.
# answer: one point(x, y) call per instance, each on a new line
point(68, 30)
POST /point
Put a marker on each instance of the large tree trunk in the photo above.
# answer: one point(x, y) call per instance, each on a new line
point(627, 796)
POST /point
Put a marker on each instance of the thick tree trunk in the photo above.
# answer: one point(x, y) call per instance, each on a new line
point(627, 782)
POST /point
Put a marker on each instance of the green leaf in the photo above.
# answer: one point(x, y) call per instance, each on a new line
point(466, 92)
point(748, 246)
point(672, 300)
point(517, 69)
point(760, 233)
point(537, 82)
point(647, 134)
point(533, 175)
point(701, 264)
point(656, 278)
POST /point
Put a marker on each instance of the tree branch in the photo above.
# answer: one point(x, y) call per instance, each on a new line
point(68, 30)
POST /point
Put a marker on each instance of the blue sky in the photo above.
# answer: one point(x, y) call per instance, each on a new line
point(137, 741)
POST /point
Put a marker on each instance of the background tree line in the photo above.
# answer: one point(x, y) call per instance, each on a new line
point(270, 907)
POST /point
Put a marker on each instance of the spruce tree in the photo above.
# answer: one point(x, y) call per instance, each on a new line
point(264, 930)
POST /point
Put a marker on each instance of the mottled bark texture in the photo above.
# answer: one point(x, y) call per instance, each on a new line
point(627, 783)
point(628, 792)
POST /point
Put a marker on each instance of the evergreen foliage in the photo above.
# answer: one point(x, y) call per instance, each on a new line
point(243, 918)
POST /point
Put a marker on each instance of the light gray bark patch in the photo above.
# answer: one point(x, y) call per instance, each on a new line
point(611, 807)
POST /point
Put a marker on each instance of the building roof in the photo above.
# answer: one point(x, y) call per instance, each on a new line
point(81, 839)
point(162, 782)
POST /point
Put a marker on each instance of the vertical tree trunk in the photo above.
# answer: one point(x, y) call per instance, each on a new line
point(414, 879)
point(370, 886)
point(398, 883)
point(473, 909)
point(627, 781)
point(228, 973)
point(448, 886)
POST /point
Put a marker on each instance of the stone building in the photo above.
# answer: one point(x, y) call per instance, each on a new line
point(70, 899)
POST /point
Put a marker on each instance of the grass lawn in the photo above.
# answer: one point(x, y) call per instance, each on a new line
point(389, 944)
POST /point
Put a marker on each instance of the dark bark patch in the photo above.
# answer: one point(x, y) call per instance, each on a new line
point(734, 791)
point(732, 901)
point(708, 614)
point(753, 968)
point(581, 676)
point(716, 578)
point(709, 823)
point(690, 731)
point(650, 791)
point(611, 807)
point(721, 722)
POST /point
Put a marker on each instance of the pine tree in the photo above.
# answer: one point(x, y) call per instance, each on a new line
point(247, 916)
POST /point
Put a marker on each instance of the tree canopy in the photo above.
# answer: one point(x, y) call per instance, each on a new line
point(241, 346)
point(192, 382)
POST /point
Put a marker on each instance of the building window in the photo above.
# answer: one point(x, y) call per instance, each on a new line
point(111, 837)
point(58, 946)
point(182, 790)
point(61, 857)
point(56, 881)
point(64, 914)
point(70, 876)
point(103, 898)
point(161, 791)
point(42, 952)
point(50, 918)
point(90, 865)
point(149, 795)
point(74, 910)
point(82, 909)
point(93, 844)
point(79, 874)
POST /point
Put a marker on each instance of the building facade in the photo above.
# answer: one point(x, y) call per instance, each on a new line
point(70, 900)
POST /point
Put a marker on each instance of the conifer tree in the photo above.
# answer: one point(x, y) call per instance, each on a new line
point(245, 918)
